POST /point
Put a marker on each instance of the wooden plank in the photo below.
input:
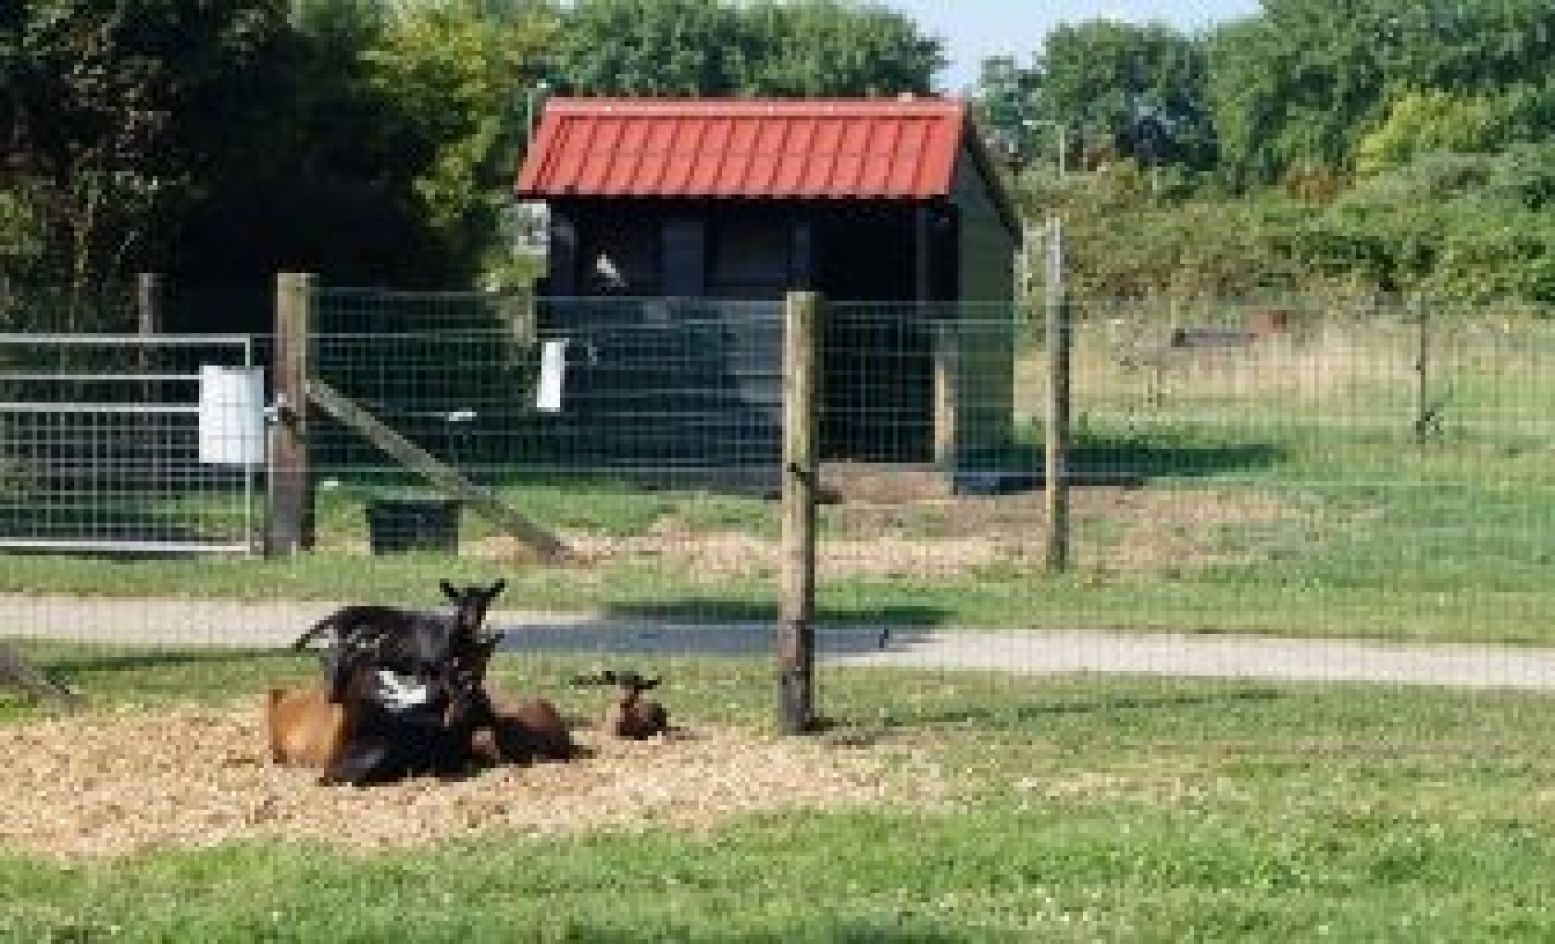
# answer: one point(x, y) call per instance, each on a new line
point(16, 672)
point(438, 473)
point(796, 630)
point(289, 528)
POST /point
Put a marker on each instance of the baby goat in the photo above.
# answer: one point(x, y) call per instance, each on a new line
point(630, 715)
point(514, 732)
point(525, 731)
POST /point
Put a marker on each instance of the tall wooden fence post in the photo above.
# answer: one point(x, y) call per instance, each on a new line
point(1056, 476)
point(796, 632)
point(289, 525)
point(148, 324)
point(1425, 415)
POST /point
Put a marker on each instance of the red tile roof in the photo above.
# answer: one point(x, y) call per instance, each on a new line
point(753, 149)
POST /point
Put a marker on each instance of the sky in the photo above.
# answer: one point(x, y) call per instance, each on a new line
point(976, 29)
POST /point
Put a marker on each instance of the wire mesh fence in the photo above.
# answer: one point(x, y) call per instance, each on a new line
point(1238, 473)
point(114, 443)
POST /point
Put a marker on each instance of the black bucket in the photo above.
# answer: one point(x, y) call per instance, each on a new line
point(398, 525)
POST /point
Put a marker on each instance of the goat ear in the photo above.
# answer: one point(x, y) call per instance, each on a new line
point(646, 684)
point(496, 588)
point(449, 591)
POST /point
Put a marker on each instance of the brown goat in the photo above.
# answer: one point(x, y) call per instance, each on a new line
point(630, 715)
point(304, 728)
point(524, 731)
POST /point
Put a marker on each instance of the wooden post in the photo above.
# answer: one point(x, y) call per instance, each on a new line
point(148, 324)
point(16, 672)
point(290, 508)
point(1424, 414)
point(796, 632)
point(148, 304)
point(947, 380)
point(1056, 482)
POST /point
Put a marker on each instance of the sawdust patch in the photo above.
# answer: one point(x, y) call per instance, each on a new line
point(106, 785)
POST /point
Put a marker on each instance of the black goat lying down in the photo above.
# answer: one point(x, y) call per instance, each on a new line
point(403, 725)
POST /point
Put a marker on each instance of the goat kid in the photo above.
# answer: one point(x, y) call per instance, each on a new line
point(514, 731)
point(630, 716)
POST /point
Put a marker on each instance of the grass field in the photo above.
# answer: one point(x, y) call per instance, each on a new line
point(1081, 809)
point(1275, 489)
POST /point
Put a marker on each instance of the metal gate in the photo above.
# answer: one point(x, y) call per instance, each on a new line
point(129, 443)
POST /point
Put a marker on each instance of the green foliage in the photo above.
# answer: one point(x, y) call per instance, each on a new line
point(1120, 91)
point(1307, 79)
point(712, 47)
point(1132, 91)
point(112, 112)
point(821, 48)
point(1423, 122)
point(458, 80)
point(646, 47)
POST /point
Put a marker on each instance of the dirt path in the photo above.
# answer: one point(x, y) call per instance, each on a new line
point(1033, 652)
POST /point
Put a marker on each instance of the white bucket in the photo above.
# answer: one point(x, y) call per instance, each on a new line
point(232, 415)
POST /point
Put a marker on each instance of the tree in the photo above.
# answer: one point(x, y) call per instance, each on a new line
point(712, 47)
point(820, 48)
point(112, 112)
point(1137, 91)
point(458, 78)
point(647, 47)
point(1008, 107)
point(1422, 122)
point(1305, 81)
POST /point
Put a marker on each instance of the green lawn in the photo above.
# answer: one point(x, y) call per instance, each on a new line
point(1086, 809)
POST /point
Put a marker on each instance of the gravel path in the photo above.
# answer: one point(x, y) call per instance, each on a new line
point(1035, 652)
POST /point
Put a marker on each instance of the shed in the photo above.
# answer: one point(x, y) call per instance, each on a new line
point(889, 207)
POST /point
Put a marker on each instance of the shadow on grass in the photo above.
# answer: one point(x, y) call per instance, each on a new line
point(693, 627)
point(139, 660)
point(1112, 462)
point(1110, 704)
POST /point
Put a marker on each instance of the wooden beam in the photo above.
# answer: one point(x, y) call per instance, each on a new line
point(438, 473)
point(16, 672)
point(796, 630)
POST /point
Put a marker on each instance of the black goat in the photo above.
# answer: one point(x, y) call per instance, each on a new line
point(396, 726)
point(405, 641)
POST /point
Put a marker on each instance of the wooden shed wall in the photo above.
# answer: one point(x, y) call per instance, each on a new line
point(985, 389)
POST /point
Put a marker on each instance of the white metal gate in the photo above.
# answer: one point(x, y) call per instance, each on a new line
point(129, 443)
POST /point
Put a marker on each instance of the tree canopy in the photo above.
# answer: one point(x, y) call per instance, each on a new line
point(374, 141)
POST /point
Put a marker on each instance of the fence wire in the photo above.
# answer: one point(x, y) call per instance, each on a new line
point(1257, 492)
